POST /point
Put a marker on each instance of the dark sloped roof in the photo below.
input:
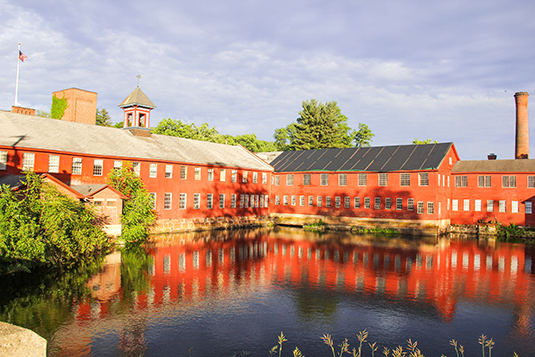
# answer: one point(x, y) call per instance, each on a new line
point(373, 159)
point(137, 97)
point(522, 165)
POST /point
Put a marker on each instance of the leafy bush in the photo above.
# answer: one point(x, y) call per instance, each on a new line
point(138, 214)
point(39, 226)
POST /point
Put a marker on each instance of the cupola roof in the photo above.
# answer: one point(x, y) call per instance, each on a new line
point(137, 97)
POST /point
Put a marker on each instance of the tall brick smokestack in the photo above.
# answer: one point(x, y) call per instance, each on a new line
point(522, 126)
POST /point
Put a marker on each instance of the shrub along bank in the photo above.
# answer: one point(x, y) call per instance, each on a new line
point(41, 227)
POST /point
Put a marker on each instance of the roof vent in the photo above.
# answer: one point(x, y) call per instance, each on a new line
point(492, 156)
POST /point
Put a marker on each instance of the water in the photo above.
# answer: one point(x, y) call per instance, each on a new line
point(224, 293)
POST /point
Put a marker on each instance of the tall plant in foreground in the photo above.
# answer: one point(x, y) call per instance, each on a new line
point(138, 214)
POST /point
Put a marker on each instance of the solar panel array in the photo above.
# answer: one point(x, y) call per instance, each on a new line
point(372, 159)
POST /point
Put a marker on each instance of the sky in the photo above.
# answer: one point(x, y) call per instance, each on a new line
point(446, 70)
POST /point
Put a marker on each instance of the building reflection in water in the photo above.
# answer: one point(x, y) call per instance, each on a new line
point(192, 267)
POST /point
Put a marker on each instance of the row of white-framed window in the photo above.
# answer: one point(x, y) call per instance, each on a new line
point(502, 206)
point(246, 200)
point(405, 179)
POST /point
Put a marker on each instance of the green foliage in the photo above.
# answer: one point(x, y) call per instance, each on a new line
point(42, 227)
point(321, 126)
point(375, 230)
point(138, 214)
point(58, 107)
point(103, 118)
point(512, 232)
point(422, 142)
point(42, 114)
point(316, 226)
point(363, 136)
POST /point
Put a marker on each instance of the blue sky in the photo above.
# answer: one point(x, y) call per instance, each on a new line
point(445, 70)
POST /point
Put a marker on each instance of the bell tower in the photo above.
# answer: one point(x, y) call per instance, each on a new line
point(137, 107)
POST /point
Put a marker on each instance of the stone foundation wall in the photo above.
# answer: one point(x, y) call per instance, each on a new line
point(483, 230)
point(210, 223)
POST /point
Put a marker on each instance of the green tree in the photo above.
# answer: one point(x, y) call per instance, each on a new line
point(363, 136)
point(138, 213)
point(42, 114)
point(173, 127)
point(426, 141)
point(319, 126)
point(58, 107)
point(42, 227)
point(103, 118)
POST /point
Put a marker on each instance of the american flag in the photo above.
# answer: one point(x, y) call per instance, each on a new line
point(22, 56)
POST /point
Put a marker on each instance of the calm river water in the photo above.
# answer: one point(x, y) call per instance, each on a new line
point(232, 293)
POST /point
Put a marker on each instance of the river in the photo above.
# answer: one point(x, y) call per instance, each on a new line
point(228, 293)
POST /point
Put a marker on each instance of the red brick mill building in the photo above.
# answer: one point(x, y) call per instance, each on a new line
point(196, 184)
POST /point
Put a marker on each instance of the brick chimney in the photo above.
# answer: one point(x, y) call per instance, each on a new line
point(492, 156)
point(522, 126)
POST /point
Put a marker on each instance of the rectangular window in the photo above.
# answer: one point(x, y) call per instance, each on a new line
point(256, 201)
point(483, 181)
point(183, 172)
point(222, 175)
point(246, 201)
point(318, 201)
point(28, 161)
point(490, 205)
point(294, 200)
point(306, 179)
point(136, 166)
point(420, 207)
point(405, 179)
point(233, 200)
point(244, 177)
point(337, 202)
point(454, 205)
point(277, 180)
point(234, 176)
point(197, 175)
point(410, 204)
point(466, 205)
point(3, 160)
point(182, 203)
point(363, 179)
point(302, 200)
point(53, 163)
point(383, 179)
point(76, 166)
point(242, 201)
point(221, 200)
point(423, 178)
point(285, 200)
point(210, 174)
point(153, 199)
point(153, 171)
point(399, 204)
point(117, 165)
point(514, 206)
point(167, 200)
point(388, 203)
point(529, 207)
point(347, 202)
point(377, 203)
point(266, 200)
point(324, 179)
point(289, 180)
point(430, 208)
point(531, 181)
point(311, 200)
point(356, 203)
point(97, 167)
point(502, 206)
point(196, 201)
point(509, 181)
point(367, 202)
point(277, 200)
point(328, 201)
point(264, 178)
point(342, 179)
point(477, 205)
point(168, 171)
point(255, 177)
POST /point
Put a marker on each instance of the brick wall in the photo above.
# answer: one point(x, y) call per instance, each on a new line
point(82, 105)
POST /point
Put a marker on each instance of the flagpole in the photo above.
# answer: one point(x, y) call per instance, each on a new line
point(17, 82)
